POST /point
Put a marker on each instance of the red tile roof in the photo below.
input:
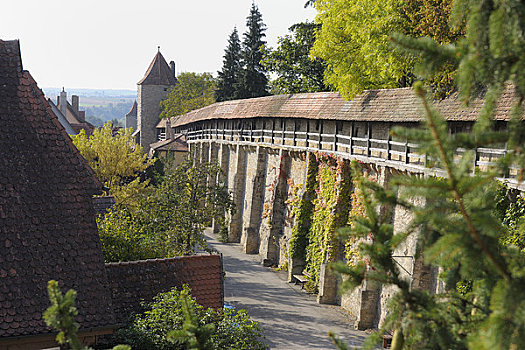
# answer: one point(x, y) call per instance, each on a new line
point(395, 105)
point(178, 143)
point(158, 73)
point(134, 281)
point(47, 220)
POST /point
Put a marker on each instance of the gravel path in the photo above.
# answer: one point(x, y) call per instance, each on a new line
point(291, 319)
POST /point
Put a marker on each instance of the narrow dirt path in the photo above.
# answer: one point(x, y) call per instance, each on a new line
point(290, 318)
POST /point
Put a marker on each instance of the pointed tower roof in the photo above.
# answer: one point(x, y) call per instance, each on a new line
point(158, 73)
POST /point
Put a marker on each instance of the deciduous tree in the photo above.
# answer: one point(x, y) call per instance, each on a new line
point(116, 160)
point(170, 220)
point(354, 42)
point(193, 91)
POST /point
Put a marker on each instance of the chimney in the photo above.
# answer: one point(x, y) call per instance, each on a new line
point(168, 129)
point(74, 102)
point(62, 102)
point(172, 67)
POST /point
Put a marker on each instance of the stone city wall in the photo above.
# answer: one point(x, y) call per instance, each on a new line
point(266, 171)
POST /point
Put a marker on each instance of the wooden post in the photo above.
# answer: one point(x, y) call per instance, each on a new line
point(283, 126)
point(241, 132)
point(307, 142)
point(335, 135)
point(388, 146)
point(294, 131)
point(507, 171)
point(320, 146)
point(368, 139)
point(407, 158)
point(352, 138)
point(273, 129)
point(251, 131)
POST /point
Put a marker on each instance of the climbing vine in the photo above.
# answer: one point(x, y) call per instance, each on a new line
point(331, 209)
point(328, 201)
point(302, 211)
point(357, 210)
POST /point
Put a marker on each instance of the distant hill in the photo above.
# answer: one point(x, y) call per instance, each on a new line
point(101, 105)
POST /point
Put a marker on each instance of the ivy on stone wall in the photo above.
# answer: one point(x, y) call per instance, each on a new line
point(331, 209)
point(357, 209)
point(302, 211)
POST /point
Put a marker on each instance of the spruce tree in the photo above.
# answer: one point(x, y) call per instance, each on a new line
point(253, 81)
point(458, 228)
point(228, 77)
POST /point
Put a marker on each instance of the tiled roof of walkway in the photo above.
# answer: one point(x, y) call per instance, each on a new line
point(394, 105)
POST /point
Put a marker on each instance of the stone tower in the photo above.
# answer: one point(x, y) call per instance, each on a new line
point(152, 89)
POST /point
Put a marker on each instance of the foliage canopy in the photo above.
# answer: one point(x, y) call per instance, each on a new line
point(170, 219)
point(193, 91)
point(354, 42)
point(296, 71)
point(116, 159)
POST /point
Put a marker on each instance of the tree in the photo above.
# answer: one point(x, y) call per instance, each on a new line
point(193, 91)
point(429, 18)
point(253, 81)
point(290, 61)
point(354, 42)
point(228, 77)
point(169, 219)
point(116, 159)
point(460, 226)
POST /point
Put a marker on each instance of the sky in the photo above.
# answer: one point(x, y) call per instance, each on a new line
point(110, 44)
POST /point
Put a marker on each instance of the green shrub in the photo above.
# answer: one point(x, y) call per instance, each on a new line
point(149, 330)
point(170, 218)
point(123, 238)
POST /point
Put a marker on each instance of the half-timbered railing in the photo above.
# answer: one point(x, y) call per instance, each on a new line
point(398, 154)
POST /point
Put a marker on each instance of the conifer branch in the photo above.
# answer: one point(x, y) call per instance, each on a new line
point(453, 188)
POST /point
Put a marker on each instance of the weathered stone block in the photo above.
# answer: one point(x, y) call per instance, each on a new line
point(327, 286)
